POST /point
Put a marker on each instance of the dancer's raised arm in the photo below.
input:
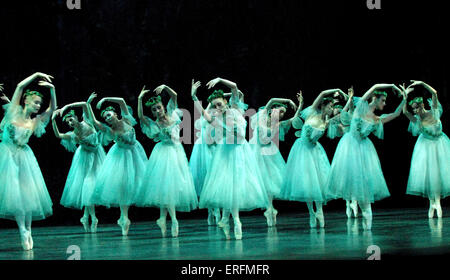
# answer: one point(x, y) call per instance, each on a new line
point(349, 104)
point(58, 134)
point(23, 84)
point(171, 92)
point(371, 91)
point(118, 100)
point(389, 117)
point(197, 104)
point(141, 108)
point(433, 92)
point(322, 95)
point(46, 115)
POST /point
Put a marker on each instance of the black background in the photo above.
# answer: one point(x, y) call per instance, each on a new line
point(269, 48)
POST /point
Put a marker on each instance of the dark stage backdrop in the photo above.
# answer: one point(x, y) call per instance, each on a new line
point(270, 48)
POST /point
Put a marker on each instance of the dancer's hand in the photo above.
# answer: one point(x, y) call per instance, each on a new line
point(350, 92)
point(43, 76)
point(416, 83)
point(292, 104)
point(159, 89)
point(406, 91)
point(143, 92)
point(194, 87)
point(1, 87)
point(91, 97)
point(300, 97)
point(56, 113)
point(5, 98)
point(213, 82)
point(46, 84)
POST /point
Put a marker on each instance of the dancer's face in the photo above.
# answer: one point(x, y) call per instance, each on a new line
point(278, 112)
point(336, 111)
point(72, 121)
point(158, 110)
point(33, 103)
point(110, 117)
point(220, 104)
point(418, 108)
point(381, 102)
point(327, 108)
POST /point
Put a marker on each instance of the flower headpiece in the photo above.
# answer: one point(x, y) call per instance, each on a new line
point(153, 100)
point(107, 109)
point(70, 114)
point(218, 93)
point(29, 92)
point(416, 100)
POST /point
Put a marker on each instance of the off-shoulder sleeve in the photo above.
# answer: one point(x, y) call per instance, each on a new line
point(238, 103)
point(173, 111)
point(414, 126)
point(379, 128)
point(284, 129)
point(11, 111)
point(69, 144)
point(129, 118)
point(308, 112)
point(151, 130)
point(41, 123)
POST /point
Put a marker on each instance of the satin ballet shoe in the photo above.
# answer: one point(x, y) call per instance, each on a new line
point(238, 230)
point(226, 231)
point(30, 240)
point(312, 220)
point(274, 216)
point(217, 216)
point(125, 225)
point(354, 207)
point(25, 241)
point(223, 222)
point(348, 211)
point(85, 222)
point(431, 212)
point(174, 228)
point(321, 219)
point(438, 211)
point(162, 225)
point(94, 225)
point(211, 221)
point(268, 215)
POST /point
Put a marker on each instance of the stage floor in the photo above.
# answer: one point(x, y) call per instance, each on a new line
point(397, 233)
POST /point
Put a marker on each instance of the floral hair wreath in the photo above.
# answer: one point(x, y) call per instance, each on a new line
point(416, 100)
point(379, 93)
point(70, 114)
point(338, 106)
point(218, 93)
point(277, 104)
point(107, 109)
point(153, 100)
point(29, 92)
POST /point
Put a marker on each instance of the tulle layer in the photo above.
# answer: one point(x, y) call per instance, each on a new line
point(22, 187)
point(199, 163)
point(167, 180)
point(356, 172)
point(120, 176)
point(307, 172)
point(272, 167)
point(234, 180)
point(429, 174)
point(82, 177)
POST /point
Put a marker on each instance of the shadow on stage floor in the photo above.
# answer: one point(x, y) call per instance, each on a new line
point(395, 233)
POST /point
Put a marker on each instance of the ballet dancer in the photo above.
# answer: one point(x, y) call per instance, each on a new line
point(356, 170)
point(168, 184)
point(429, 175)
point(23, 193)
point(123, 168)
point(87, 160)
point(234, 182)
point(308, 166)
point(268, 130)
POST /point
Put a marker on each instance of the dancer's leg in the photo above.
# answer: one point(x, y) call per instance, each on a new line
point(123, 221)
point(225, 218)
point(319, 214)
point(28, 220)
point(161, 222)
point(269, 213)
point(237, 224)
point(20, 219)
point(85, 219)
point(91, 210)
point(367, 215)
point(173, 217)
point(312, 215)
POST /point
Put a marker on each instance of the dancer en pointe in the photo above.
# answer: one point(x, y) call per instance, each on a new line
point(308, 166)
point(123, 168)
point(339, 125)
point(86, 163)
point(429, 175)
point(356, 170)
point(23, 193)
point(168, 182)
point(268, 130)
point(234, 182)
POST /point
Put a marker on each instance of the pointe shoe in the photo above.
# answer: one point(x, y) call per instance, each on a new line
point(431, 212)
point(162, 225)
point(348, 211)
point(274, 216)
point(238, 230)
point(85, 222)
point(174, 228)
point(439, 211)
point(312, 221)
point(25, 241)
point(226, 231)
point(94, 225)
point(354, 207)
point(125, 225)
point(210, 219)
point(217, 216)
point(223, 222)
point(367, 223)
point(268, 215)
point(30, 240)
point(321, 219)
